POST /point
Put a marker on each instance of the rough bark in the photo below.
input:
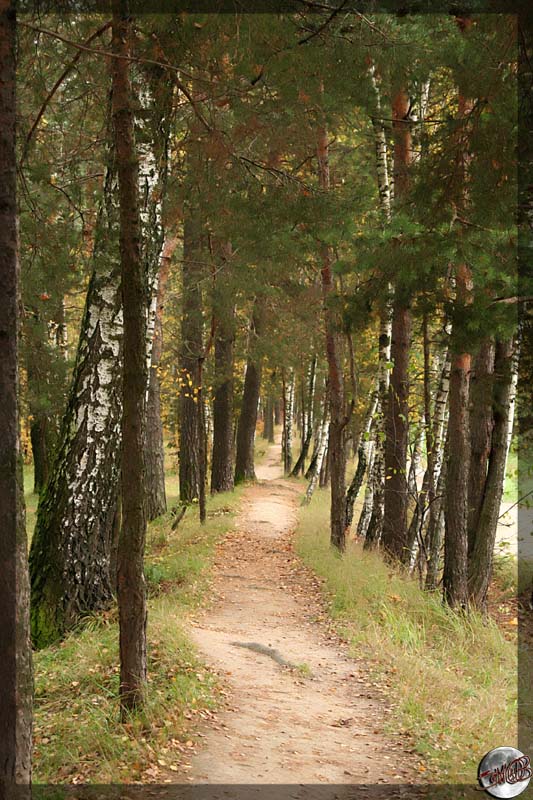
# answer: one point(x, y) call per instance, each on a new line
point(69, 557)
point(191, 351)
point(336, 449)
point(244, 460)
point(40, 448)
point(456, 539)
point(288, 419)
point(131, 582)
point(268, 431)
point(481, 422)
point(435, 532)
point(434, 428)
point(482, 554)
point(370, 523)
point(307, 428)
point(394, 536)
point(315, 469)
point(363, 457)
point(369, 526)
point(15, 669)
point(156, 502)
point(222, 459)
point(455, 578)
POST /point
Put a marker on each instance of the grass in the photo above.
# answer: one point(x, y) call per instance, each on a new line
point(78, 736)
point(451, 680)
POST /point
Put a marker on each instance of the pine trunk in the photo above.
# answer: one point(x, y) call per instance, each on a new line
point(222, 459)
point(336, 450)
point(131, 582)
point(16, 663)
point(190, 353)
point(481, 558)
point(40, 448)
point(307, 427)
point(268, 432)
point(156, 501)
point(481, 422)
point(456, 506)
point(244, 460)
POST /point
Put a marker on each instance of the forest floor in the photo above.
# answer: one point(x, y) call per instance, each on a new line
point(299, 709)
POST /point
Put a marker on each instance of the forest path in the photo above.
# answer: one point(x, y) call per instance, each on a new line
point(318, 722)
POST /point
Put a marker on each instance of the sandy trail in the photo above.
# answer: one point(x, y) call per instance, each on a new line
point(316, 723)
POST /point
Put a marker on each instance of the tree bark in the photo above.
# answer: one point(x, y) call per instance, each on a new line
point(244, 461)
point(336, 449)
point(70, 550)
point(307, 428)
point(316, 467)
point(363, 457)
point(482, 553)
point(481, 423)
point(40, 448)
point(288, 418)
point(190, 353)
point(434, 429)
point(394, 536)
point(456, 538)
point(222, 459)
point(156, 501)
point(131, 582)
point(16, 664)
point(455, 578)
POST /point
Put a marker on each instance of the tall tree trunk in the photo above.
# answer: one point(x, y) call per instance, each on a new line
point(363, 457)
point(455, 579)
point(481, 558)
point(70, 550)
point(322, 441)
point(40, 448)
point(222, 459)
point(156, 501)
point(244, 461)
point(307, 428)
point(336, 449)
point(481, 422)
point(434, 428)
point(397, 409)
point(370, 523)
point(131, 582)
point(190, 352)
point(15, 669)
point(369, 526)
point(268, 432)
point(288, 419)
point(435, 532)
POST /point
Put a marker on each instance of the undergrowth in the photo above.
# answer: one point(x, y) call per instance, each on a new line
point(451, 679)
point(78, 736)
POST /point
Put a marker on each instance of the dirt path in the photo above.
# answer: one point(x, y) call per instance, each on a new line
point(317, 722)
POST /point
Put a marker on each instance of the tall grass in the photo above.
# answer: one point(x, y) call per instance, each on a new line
point(78, 736)
point(452, 680)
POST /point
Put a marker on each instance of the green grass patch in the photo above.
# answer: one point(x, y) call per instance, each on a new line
point(452, 680)
point(78, 736)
